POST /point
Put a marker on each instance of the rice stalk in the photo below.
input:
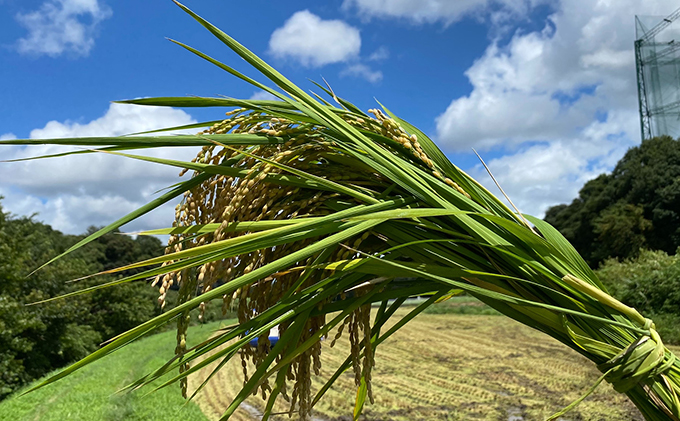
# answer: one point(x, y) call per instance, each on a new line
point(301, 214)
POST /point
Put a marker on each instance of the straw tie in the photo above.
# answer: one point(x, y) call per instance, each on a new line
point(641, 360)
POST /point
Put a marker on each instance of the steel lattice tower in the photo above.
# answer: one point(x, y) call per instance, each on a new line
point(657, 61)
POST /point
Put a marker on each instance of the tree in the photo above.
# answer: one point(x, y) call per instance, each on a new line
point(620, 231)
point(637, 205)
point(37, 339)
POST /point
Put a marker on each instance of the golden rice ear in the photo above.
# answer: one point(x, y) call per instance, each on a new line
point(220, 201)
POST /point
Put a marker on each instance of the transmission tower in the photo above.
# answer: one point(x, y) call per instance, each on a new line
point(657, 61)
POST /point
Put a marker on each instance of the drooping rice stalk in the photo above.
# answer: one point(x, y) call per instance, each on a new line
point(301, 214)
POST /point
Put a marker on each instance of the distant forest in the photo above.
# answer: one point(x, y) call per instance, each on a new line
point(37, 339)
point(635, 207)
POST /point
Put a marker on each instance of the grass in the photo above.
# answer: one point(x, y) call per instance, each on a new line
point(90, 395)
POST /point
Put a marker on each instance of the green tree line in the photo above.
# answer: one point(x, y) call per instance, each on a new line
point(636, 206)
point(627, 223)
point(37, 339)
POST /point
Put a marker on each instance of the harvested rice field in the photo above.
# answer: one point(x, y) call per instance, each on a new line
point(449, 367)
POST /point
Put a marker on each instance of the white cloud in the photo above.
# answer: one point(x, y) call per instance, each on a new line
point(72, 193)
point(118, 120)
point(382, 53)
point(584, 54)
point(8, 136)
point(315, 42)
point(562, 100)
point(73, 214)
point(542, 175)
point(446, 11)
point(362, 71)
point(263, 95)
point(60, 26)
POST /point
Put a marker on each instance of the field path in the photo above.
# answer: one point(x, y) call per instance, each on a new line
point(450, 367)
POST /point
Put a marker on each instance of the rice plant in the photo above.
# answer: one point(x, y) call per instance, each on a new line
point(301, 212)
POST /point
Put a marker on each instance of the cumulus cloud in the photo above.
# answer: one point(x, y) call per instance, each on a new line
point(550, 83)
point(8, 136)
point(446, 11)
point(73, 214)
point(363, 71)
point(263, 95)
point(540, 175)
point(560, 102)
point(314, 42)
point(72, 193)
point(118, 120)
point(60, 26)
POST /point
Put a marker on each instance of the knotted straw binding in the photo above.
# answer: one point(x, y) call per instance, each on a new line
point(641, 360)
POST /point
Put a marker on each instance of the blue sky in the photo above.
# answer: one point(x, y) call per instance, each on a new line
point(544, 90)
point(132, 58)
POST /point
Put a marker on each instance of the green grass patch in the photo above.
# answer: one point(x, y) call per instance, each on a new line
point(90, 394)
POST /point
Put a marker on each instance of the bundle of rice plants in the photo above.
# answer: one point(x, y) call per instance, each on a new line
point(301, 214)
